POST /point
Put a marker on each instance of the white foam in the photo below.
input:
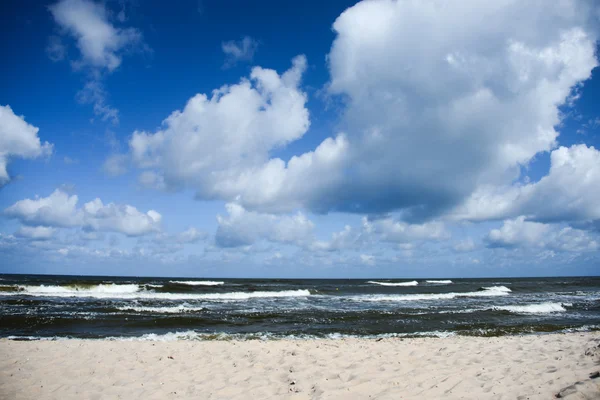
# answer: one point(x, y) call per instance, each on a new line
point(163, 310)
point(192, 335)
point(441, 282)
point(487, 292)
point(153, 286)
point(498, 288)
point(540, 308)
point(134, 292)
point(411, 283)
point(199, 283)
point(76, 290)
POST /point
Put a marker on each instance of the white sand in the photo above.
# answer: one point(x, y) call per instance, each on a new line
point(525, 367)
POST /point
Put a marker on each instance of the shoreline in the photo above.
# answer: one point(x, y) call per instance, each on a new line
point(526, 366)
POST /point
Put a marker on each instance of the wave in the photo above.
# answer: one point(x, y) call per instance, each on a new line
point(441, 282)
point(411, 283)
point(540, 308)
point(136, 292)
point(485, 292)
point(199, 283)
point(163, 310)
point(497, 288)
point(79, 289)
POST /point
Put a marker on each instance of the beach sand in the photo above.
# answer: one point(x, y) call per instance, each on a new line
point(517, 367)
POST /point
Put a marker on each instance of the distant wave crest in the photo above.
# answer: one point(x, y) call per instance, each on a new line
point(137, 292)
point(411, 283)
point(199, 283)
point(485, 292)
point(540, 308)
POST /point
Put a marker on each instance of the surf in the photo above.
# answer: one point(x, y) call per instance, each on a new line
point(410, 283)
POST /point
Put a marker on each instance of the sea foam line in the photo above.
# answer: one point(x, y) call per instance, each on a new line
point(163, 310)
point(485, 292)
point(539, 308)
point(411, 283)
point(134, 292)
point(441, 282)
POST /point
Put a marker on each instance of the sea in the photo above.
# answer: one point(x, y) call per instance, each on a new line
point(44, 307)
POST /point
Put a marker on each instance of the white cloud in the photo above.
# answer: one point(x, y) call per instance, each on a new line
point(18, 139)
point(35, 232)
point(60, 210)
point(243, 228)
point(519, 233)
point(239, 50)
point(101, 46)
point(99, 42)
point(569, 192)
point(429, 120)
point(220, 145)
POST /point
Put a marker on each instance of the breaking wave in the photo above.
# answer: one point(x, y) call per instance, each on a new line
point(485, 292)
point(163, 310)
point(199, 283)
point(441, 282)
point(136, 292)
point(540, 308)
point(411, 283)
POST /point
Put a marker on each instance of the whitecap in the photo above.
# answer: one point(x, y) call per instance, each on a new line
point(163, 310)
point(134, 292)
point(486, 292)
point(199, 283)
point(441, 282)
point(411, 283)
point(539, 308)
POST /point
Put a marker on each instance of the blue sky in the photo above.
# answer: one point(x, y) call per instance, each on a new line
point(273, 139)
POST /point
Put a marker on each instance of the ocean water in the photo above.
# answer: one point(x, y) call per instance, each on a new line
point(55, 307)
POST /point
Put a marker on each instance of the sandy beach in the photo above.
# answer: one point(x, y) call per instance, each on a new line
point(517, 367)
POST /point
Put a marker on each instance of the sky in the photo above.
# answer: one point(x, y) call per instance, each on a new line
point(338, 139)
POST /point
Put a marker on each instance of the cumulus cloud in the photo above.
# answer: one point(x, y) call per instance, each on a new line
point(220, 145)
point(426, 122)
point(467, 103)
point(569, 193)
point(239, 50)
point(18, 139)
point(60, 210)
point(519, 233)
point(243, 228)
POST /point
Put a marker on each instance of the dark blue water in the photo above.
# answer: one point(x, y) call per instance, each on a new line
point(169, 308)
